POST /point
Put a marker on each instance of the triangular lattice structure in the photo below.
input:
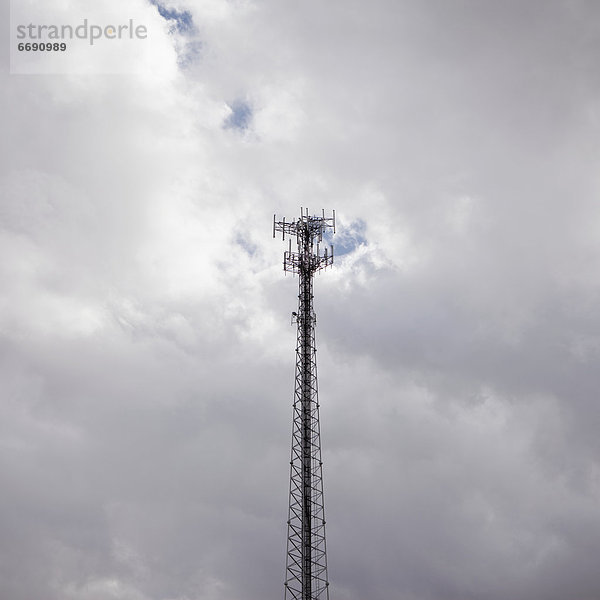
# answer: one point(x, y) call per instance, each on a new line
point(306, 561)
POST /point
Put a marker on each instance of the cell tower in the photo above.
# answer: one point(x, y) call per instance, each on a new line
point(306, 559)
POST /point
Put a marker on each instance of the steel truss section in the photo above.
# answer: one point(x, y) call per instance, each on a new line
point(306, 560)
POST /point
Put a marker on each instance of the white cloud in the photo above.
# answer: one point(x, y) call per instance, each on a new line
point(147, 365)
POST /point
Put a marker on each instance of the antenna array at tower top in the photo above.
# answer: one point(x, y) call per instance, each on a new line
point(308, 231)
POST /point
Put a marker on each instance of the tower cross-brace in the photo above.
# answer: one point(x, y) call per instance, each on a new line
point(306, 559)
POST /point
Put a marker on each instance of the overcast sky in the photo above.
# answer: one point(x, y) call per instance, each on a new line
point(146, 352)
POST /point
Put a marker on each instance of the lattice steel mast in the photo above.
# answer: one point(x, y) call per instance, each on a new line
point(306, 560)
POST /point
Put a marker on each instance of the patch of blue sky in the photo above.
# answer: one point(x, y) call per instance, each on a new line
point(249, 247)
point(348, 238)
point(180, 21)
point(240, 117)
point(182, 27)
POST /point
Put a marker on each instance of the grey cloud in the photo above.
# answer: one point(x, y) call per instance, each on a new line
point(147, 356)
